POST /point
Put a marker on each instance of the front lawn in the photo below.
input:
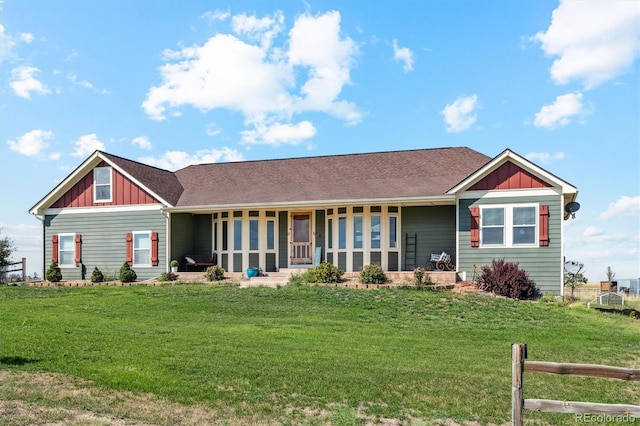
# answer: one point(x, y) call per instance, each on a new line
point(307, 355)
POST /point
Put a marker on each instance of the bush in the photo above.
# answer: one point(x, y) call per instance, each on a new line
point(167, 276)
point(97, 276)
point(372, 274)
point(507, 279)
point(326, 273)
point(421, 278)
point(127, 275)
point(53, 273)
point(174, 263)
point(214, 273)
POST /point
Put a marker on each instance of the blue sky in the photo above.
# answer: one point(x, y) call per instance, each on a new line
point(171, 83)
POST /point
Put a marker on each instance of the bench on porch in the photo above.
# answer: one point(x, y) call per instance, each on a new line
point(199, 260)
point(442, 261)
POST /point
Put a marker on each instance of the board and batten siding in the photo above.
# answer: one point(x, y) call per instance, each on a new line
point(543, 264)
point(104, 240)
point(435, 227)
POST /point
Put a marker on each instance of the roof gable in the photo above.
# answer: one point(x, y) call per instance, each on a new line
point(148, 183)
point(509, 170)
point(509, 176)
point(124, 192)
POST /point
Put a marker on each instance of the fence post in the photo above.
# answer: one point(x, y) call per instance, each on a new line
point(518, 355)
point(24, 269)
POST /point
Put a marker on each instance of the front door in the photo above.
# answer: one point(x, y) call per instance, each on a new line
point(301, 239)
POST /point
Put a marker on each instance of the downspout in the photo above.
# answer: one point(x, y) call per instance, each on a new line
point(44, 262)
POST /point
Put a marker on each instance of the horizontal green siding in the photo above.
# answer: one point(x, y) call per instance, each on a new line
point(435, 228)
point(543, 264)
point(103, 240)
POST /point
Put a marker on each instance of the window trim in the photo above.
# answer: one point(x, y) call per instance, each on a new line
point(95, 185)
point(508, 226)
point(133, 249)
point(73, 250)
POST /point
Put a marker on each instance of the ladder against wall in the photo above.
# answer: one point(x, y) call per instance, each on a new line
point(410, 250)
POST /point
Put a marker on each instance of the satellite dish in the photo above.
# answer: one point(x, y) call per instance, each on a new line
point(573, 267)
point(571, 208)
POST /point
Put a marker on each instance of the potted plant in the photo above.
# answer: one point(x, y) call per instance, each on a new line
point(174, 266)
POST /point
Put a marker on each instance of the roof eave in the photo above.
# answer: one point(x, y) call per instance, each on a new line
point(402, 201)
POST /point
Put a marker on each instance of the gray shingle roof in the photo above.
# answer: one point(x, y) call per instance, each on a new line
point(162, 182)
point(369, 176)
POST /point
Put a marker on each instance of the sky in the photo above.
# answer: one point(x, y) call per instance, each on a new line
point(172, 83)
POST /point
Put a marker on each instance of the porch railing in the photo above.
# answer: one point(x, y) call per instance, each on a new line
point(301, 253)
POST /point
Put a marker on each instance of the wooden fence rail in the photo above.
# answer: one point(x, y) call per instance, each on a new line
point(23, 268)
point(519, 404)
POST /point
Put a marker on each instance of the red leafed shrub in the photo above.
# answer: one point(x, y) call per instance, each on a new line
point(507, 279)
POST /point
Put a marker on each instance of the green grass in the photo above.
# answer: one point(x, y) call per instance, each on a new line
point(280, 354)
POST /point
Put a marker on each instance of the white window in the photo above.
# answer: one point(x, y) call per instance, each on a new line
point(102, 184)
point(142, 248)
point(509, 226)
point(66, 250)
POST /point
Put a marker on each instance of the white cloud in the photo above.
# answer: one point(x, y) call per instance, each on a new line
point(593, 234)
point(23, 82)
point(263, 30)
point(593, 41)
point(278, 133)
point(9, 42)
point(624, 206)
point(55, 156)
point(31, 143)
point(257, 79)
point(545, 157)
point(142, 142)
point(86, 145)
point(562, 111)
point(404, 55)
point(212, 129)
point(74, 79)
point(174, 160)
point(460, 115)
point(216, 15)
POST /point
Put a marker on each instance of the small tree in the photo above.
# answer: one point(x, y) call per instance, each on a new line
point(127, 275)
point(97, 276)
point(7, 247)
point(54, 274)
point(575, 279)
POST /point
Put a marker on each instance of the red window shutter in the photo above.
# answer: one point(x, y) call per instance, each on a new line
point(78, 241)
point(129, 256)
point(475, 226)
point(154, 249)
point(544, 225)
point(54, 248)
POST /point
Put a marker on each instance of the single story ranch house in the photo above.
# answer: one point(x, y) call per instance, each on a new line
point(394, 209)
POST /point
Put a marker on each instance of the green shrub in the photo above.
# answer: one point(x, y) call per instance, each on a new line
point(127, 275)
point(53, 273)
point(372, 274)
point(167, 276)
point(214, 273)
point(300, 278)
point(326, 273)
point(97, 276)
point(174, 263)
point(507, 279)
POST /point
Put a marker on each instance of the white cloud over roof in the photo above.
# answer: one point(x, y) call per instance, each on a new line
point(592, 41)
point(23, 82)
point(460, 114)
point(86, 145)
point(623, 206)
point(244, 72)
point(562, 111)
point(31, 143)
point(174, 160)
